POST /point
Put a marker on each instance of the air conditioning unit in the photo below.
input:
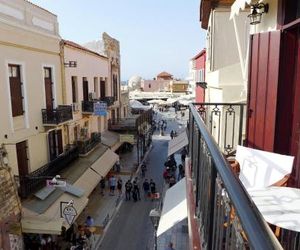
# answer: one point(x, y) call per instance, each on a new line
point(75, 107)
point(92, 96)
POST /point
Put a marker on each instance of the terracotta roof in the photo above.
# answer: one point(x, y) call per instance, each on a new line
point(40, 7)
point(199, 54)
point(164, 73)
point(78, 46)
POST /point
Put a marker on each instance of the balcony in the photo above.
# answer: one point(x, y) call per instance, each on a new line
point(110, 100)
point(36, 180)
point(123, 124)
point(86, 145)
point(54, 117)
point(87, 107)
point(219, 206)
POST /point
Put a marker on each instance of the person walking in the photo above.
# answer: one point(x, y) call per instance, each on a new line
point(146, 188)
point(143, 169)
point(136, 190)
point(102, 185)
point(128, 188)
point(112, 184)
point(152, 189)
point(170, 246)
point(172, 134)
point(119, 186)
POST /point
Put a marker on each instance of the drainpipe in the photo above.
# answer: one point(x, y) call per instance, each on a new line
point(62, 68)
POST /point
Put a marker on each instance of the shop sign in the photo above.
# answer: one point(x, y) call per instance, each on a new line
point(100, 108)
point(69, 213)
point(55, 183)
point(127, 138)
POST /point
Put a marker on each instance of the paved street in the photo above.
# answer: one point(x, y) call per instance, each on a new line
point(132, 228)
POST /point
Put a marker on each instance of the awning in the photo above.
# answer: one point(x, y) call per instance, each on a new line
point(237, 5)
point(53, 213)
point(109, 138)
point(105, 162)
point(35, 226)
point(174, 208)
point(177, 143)
point(88, 181)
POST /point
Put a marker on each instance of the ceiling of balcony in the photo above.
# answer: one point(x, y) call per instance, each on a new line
point(207, 5)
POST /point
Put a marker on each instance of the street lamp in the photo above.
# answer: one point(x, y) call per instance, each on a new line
point(154, 217)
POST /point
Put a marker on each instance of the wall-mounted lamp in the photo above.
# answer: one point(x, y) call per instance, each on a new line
point(256, 12)
point(71, 64)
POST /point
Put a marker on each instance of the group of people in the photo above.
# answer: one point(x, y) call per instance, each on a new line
point(114, 184)
point(132, 190)
point(159, 125)
point(170, 173)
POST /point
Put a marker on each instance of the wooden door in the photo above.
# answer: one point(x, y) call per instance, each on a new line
point(263, 90)
point(52, 145)
point(59, 141)
point(48, 88)
point(85, 88)
point(22, 158)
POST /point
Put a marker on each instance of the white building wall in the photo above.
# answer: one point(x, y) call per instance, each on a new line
point(28, 37)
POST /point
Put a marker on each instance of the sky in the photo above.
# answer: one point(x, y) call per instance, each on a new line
point(154, 35)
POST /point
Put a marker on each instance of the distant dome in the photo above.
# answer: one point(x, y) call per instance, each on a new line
point(135, 82)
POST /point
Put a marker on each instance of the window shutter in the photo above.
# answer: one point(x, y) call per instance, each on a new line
point(16, 96)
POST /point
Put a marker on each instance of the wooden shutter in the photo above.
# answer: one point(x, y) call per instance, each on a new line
point(263, 90)
point(16, 91)
point(74, 99)
point(102, 89)
point(85, 87)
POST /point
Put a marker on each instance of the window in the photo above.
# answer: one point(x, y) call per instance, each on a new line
point(74, 90)
point(149, 86)
point(16, 90)
point(115, 86)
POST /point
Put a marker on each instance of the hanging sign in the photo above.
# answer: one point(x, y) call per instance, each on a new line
point(100, 108)
point(69, 213)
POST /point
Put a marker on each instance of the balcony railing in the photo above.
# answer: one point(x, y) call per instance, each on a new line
point(127, 124)
point(108, 99)
point(87, 106)
point(225, 122)
point(87, 145)
point(228, 218)
point(57, 116)
point(36, 180)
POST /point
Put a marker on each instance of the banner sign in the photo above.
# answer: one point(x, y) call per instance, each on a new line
point(100, 108)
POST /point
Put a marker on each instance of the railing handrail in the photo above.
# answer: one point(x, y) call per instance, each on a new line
point(259, 233)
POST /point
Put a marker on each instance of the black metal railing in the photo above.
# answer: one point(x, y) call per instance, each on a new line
point(87, 106)
point(228, 218)
point(34, 181)
point(56, 116)
point(225, 122)
point(87, 145)
point(109, 100)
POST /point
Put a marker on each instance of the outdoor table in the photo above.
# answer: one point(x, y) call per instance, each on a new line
point(279, 206)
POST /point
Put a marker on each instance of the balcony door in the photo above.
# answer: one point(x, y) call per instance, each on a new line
point(22, 159)
point(85, 89)
point(48, 88)
point(102, 89)
point(55, 143)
